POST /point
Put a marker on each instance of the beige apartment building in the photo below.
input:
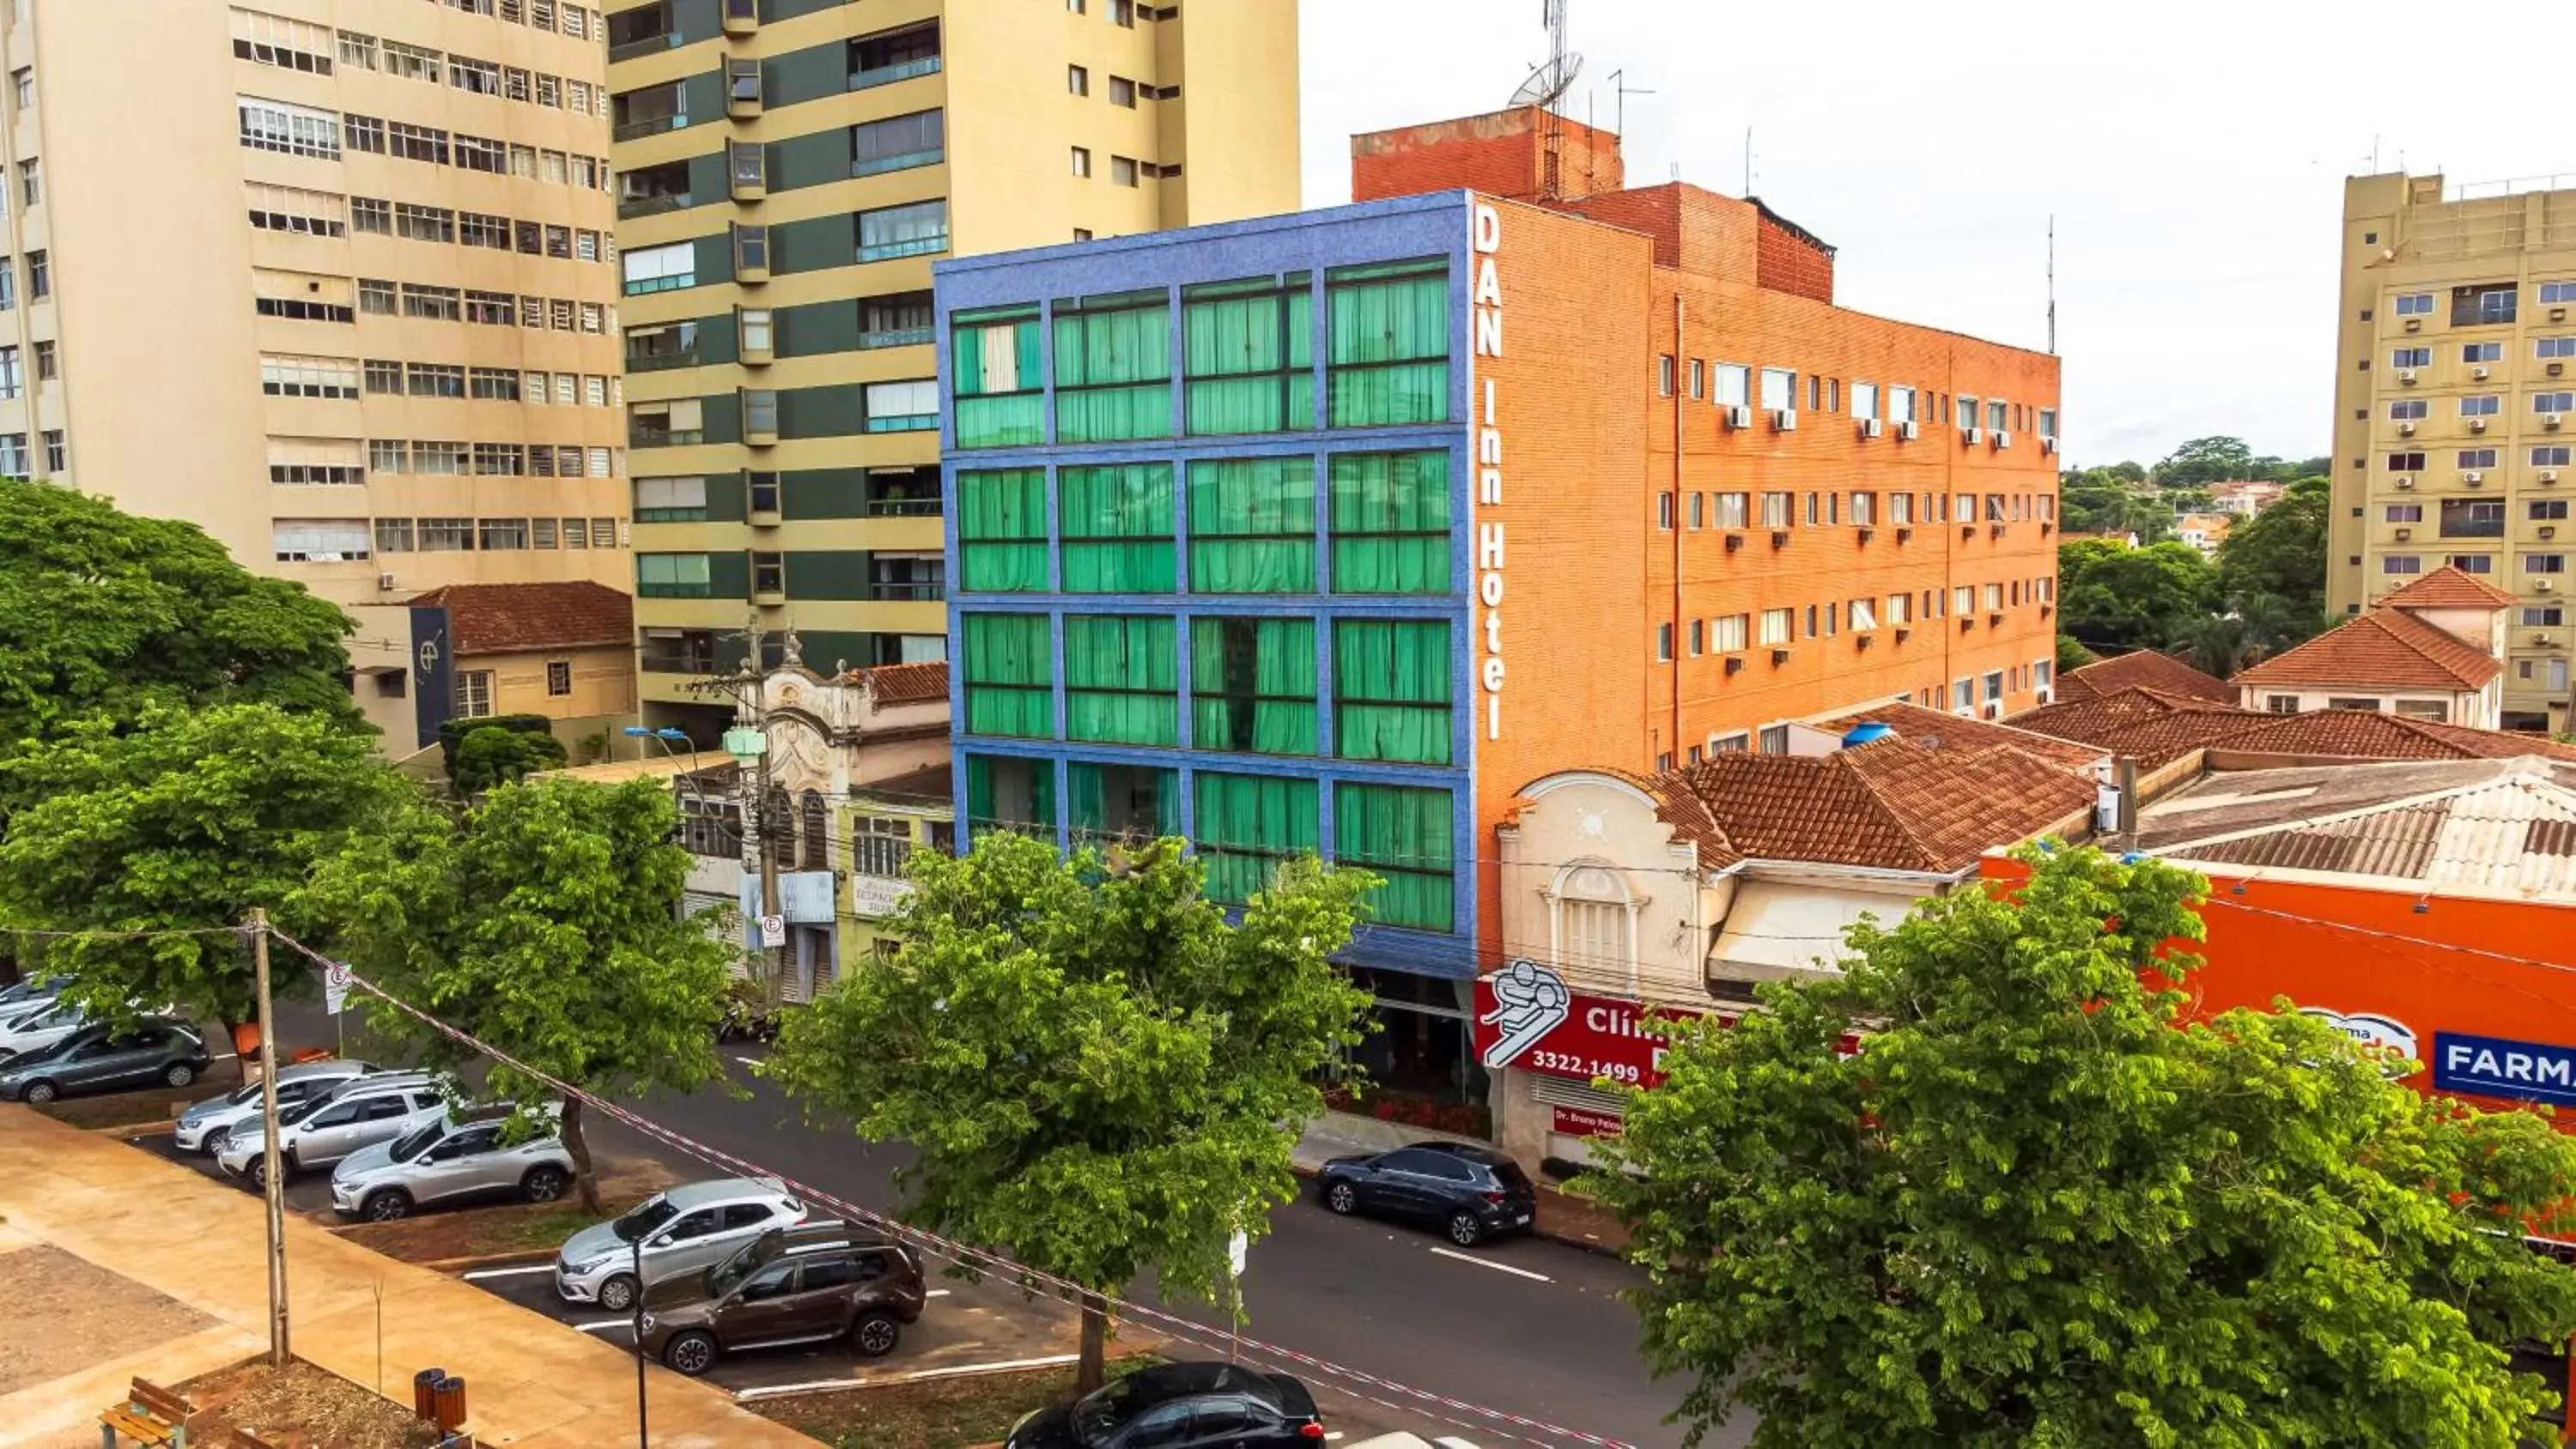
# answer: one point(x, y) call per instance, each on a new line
point(335, 279)
point(2455, 410)
point(786, 173)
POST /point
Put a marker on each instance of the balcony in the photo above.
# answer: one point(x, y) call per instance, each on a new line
point(919, 593)
point(903, 508)
point(897, 55)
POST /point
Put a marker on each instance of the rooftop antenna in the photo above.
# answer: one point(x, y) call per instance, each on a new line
point(1619, 83)
point(1748, 163)
point(2052, 284)
point(1547, 86)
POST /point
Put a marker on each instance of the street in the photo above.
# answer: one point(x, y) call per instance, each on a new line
point(1523, 1326)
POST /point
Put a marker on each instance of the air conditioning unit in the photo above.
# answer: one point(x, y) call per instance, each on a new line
point(2557, 314)
point(1784, 420)
point(2406, 428)
point(2474, 478)
point(2401, 482)
point(2477, 425)
point(2549, 530)
point(1908, 430)
point(2405, 534)
point(2552, 422)
point(1739, 417)
point(1872, 427)
point(1994, 709)
point(1780, 656)
point(2414, 324)
point(384, 581)
point(2544, 640)
point(2480, 373)
point(2548, 475)
point(2406, 377)
point(2046, 694)
point(2544, 586)
point(1971, 437)
point(2002, 439)
point(2557, 368)
point(2047, 444)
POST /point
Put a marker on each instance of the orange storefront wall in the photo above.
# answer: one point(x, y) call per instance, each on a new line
point(2461, 965)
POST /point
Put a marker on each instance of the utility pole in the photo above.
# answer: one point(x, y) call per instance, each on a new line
point(748, 743)
point(274, 1172)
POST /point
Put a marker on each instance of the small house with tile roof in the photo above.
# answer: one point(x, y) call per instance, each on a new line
point(565, 651)
point(2433, 650)
point(2142, 668)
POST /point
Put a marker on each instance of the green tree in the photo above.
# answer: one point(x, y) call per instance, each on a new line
point(189, 820)
point(2118, 599)
point(2072, 655)
point(2280, 553)
point(2038, 1208)
point(1098, 1072)
point(548, 923)
point(493, 756)
point(2206, 460)
point(106, 614)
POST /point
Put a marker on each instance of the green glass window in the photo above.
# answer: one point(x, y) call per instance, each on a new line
point(1010, 681)
point(1123, 802)
point(1002, 531)
point(1402, 834)
point(1003, 793)
point(1001, 402)
point(1252, 685)
point(1117, 523)
point(1122, 679)
point(671, 575)
point(1252, 526)
point(1113, 368)
point(1391, 689)
point(1247, 824)
point(1390, 344)
point(1247, 354)
point(1391, 523)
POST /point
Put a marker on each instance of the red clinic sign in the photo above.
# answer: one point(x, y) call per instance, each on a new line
point(1528, 1018)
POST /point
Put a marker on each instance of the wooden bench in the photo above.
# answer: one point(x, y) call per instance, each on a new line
point(151, 1415)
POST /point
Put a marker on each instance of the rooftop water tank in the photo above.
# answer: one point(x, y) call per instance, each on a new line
point(1862, 734)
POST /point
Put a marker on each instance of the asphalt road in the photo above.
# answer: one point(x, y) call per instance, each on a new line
point(1523, 1326)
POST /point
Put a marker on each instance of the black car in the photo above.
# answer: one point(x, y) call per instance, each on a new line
point(1180, 1406)
point(1473, 1192)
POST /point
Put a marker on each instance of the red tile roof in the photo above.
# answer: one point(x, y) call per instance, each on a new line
point(2089, 720)
point(2385, 650)
point(507, 618)
point(1687, 814)
point(2142, 668)
point(1940, 730)
point(2448, 587)
point(923, 683)
point(1891, 804)
point(2368, 735)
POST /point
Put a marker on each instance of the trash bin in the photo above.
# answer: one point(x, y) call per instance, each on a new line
point(424, 1388)
point(449, 1399)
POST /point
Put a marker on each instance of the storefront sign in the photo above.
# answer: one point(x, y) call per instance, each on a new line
point(876, 895)
point(2491, 1066)
point(1527, 1018)
point(1486, 233)
point(1584, 1122)
point(2369, 1029)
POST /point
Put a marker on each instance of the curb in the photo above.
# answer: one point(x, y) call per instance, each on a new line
point(1593, 1246)
point(136, 1129)
point(521, 1259)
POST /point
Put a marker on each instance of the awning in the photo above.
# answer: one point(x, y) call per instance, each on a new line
point(1776, 928)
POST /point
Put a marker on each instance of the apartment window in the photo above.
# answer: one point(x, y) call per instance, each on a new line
point(754, 331)
point(2048, 422)
point(2482, 352)
point(1733, 385)
point(2414, 304)
point(1963, 599)
point(445, 459)
point(474, 694)
point(1082, 161)
point(2472, 518)
point(1664, 643)
point(2544, 563)
point(317, 462)
point(2549, 674)
point(416, 143)
point(504, 535)
point(1864, 509)
point(677, 422)
point(2411, 357)
point(2543, 616)
point(1900, 404)
point(2541, 402)
point(424, 223)
point(669, 575)
point(265, 126)
point(493, 384)
point(1389, 340)
point(447, 535)
point(670, 500)
point(262, 38)
point(482, 229)
point(1779, 389)
point(2401, 563)
point(393, 535)
point(2553, 347)
point(2482, 306)
point(1077, 79)
point(1699, 510)
point(2402, 513)
point(1864, 399)
point(283, 375)
point(2470, 458)
point(1900, 610)
point(1731, 510)
point(2406, 462)
point(23, 82)
point(2554, 293)
point(481, 77)
point(1122, 171)
point(411, 62)
point(386, 455)
point(2546, 457)
point(294, 209)
point(363, 133)
point(304, 296)
point(491, 309)
point(660, 269)
point(1778, 626)
point(903, 231)
point(2408, 410)
point(436, 304)
point(2472, 563)
point(1998, 417)
point(2547, 510)
point(425, 379)
point(898, 143)
point(2483, 405)
point(302, 540)
point(1122, 91)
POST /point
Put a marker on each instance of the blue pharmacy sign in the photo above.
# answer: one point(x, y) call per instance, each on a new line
point(433, 674)
point(2493, 1066)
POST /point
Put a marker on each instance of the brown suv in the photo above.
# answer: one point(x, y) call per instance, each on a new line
point(789, 1286)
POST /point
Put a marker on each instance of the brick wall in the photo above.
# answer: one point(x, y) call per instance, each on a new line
point(1788, 262)
point(1502, 154)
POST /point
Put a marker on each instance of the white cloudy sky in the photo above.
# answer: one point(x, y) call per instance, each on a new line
point(2193, 154)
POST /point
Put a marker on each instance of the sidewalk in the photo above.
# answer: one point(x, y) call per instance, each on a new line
point(1562, 1216)
point(531, 1382)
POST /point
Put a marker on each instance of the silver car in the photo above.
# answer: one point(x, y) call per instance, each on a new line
point(444, 1158)
point(322, 1130)
point(208, 1126)
point(34, 1025)
point(696, 1225)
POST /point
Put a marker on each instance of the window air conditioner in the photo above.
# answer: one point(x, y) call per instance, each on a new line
point(2047, 443)
point(1994, 709)
point(2474, 478)
point(2401, 483)
point(2544, 640)
point(2406, 428)
point(2414, 324)
point(1908, 430)
point(2002, 439)
point(2549, 530)
point(2047, 694)
point(2548, 475)
point(1971, 437)
point(1872, 427)
point(2545, 586)
point(1784, 420)
point(2557, 314)
point(1739, 417)
point(2480, 373)
point(2557, 368)
point(2405, 534)
point(2406, 377)
point(2551, 422)
point(2477, 425)
point(384, 581)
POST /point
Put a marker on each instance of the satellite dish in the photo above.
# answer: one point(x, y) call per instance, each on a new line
point(1550, 82)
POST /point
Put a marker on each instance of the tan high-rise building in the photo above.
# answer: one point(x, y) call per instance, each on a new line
point(335, 279)
point(787, 171)
point(2455, 410)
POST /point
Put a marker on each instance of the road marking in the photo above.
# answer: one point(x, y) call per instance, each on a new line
point(480, 1274)
point(605, 1324)
point(936, 1293)
point(1490, 1263)
point(748, 1061)
point(1334, 1437)
point(771, 1391)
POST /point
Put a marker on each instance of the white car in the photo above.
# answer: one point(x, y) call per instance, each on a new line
point(208, 1126)
point(40, 1027)
point(444, 1158)
point(687, 1229)
point(324, 1129)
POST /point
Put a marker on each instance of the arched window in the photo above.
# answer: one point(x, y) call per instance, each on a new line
point(1596, 922)
point(818, 839)
point(778, 826)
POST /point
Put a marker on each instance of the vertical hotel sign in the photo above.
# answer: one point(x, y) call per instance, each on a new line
point(1486, 235)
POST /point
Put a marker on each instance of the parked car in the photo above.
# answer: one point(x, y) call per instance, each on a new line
point(688, 1229)
point(39, 1025)
point(1178, 1404)
point(208, 1126)
point(321, 1130)
point(1472, 1191)
point(31, 989)
point(789, 1286)
point(445, 1158)
point(156, 1051)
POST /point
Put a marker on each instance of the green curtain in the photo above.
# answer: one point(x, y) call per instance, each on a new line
point(1112, 375)
point(1390, 351)
point(1009, 677)
point(1113, 414)
point(1391, 689)
point(1002, 531)
point(1122, 679)
point(1249, 363)
point(1247, 824)
point(999, 401)
point(1403, 835)
point(1391, 523)
point(1111, 802)
point(1252, 526)
point(1010, 794)
point(1117, 523)
point(1252, 685)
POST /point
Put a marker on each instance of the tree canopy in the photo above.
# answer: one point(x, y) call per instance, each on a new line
point(2203, 461)
point(2280, 554)
point(2115, 598)
point(2038, 1207)
point(189, 819)
point(548, 923)
point(1099, 1073)
point(493, 756)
